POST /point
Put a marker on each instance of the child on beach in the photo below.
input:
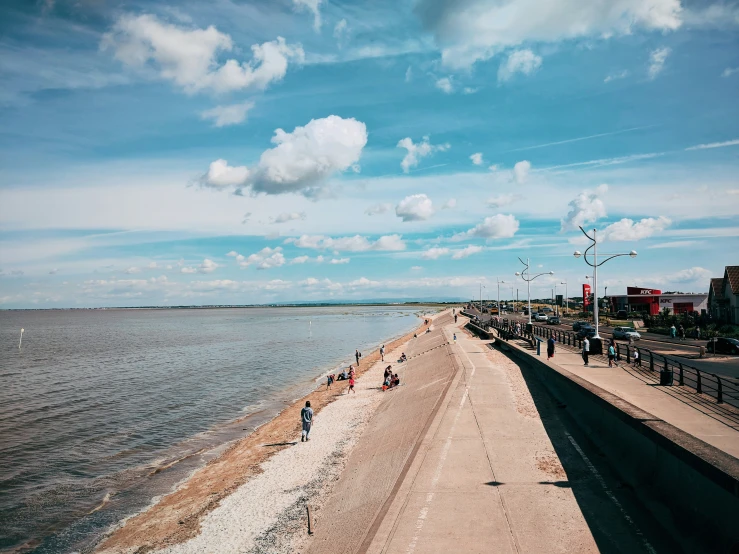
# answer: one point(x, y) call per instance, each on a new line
point(329, 381)
point(351, 385)
point(306, 417)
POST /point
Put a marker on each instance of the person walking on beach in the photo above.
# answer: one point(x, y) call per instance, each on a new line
point(329, 381)
point(455, 318)
point(306, 416)
point(550, 348)
point(382, 352)
point(357, 355)
point(585, 350)
point(351, 385)
point(455, 337)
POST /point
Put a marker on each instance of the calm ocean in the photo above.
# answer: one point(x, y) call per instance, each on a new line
point(96, 401)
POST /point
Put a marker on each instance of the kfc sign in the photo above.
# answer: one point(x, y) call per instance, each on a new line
point(636, 291)
point(586, 295)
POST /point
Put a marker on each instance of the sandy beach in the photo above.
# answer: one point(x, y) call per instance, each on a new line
point(252, 498)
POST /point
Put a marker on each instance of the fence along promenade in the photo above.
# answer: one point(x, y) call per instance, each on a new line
point(657, 367)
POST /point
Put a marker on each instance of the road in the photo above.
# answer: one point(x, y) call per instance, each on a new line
point(688, 350)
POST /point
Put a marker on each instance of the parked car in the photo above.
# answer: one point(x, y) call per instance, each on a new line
point(554, 320)
point(621, 314)
point(722, 345)
point(577, 324)
point(586, 330)
point(625, 333)
point(541, 316)
point(546, 309)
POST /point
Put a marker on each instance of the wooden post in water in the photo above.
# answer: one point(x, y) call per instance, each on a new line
point(310, 526)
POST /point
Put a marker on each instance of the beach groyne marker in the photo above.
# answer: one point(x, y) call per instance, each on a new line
point(310, 526)
point(21, 341)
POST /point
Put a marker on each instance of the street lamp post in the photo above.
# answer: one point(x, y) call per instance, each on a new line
point(595, 265)
point(499, 282)
point(481, 287)
point(526, 276)
point(567, 298)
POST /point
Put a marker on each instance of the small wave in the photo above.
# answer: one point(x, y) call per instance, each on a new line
point(106, 499)
point(176, 461)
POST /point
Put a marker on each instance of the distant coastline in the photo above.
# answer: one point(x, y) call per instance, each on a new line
point(399, 303)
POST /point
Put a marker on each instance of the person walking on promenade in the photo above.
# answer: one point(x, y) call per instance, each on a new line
point(611, 355)
point(681, 332)
point(697, 332)
point(306, 416)
point(550, 348)
point(673, 331)
point(382, 352)
point(585, 350)
point(637, 359)
point(455, 318)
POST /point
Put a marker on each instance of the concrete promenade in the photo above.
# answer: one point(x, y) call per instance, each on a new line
point(498, 471)
point(699, 416)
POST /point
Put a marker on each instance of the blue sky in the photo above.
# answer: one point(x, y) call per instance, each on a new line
point(247, 152)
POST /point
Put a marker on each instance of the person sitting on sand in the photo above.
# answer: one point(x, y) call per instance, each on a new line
point(403, 358)
point(387, 382)
point(343, 376)
point(395, 381)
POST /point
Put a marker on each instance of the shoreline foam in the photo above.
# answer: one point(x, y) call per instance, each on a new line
point(178, 516)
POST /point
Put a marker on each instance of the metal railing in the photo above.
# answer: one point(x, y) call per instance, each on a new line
point(720, 389)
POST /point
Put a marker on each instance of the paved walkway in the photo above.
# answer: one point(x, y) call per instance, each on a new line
point(701, 417)
point(497, 471)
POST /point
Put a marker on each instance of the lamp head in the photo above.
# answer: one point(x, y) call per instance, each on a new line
point(551, 273)
point(518, 273)
point(577, 254)
point(632, 253)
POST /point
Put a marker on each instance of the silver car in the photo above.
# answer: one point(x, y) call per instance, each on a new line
point(625, 333)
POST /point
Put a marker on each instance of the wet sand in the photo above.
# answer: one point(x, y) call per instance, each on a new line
point(217, 501)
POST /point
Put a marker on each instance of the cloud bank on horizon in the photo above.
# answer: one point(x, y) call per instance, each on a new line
point(248, 153)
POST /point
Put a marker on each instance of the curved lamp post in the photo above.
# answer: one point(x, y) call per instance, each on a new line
point(526, 276)
point(595, 265)
point(567, 298)
point(499, 282)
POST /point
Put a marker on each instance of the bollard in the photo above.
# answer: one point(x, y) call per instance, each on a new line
point(538, 348)
point(628, 355)
point(698, 385)
point(310, 527)
point(720, 392)
point(682, 377)
point(651, 361)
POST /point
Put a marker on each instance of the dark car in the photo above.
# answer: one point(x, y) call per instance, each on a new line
point(586, 330)
point(577, 324)
point(554, 320)
point(721, 345)
point(621, 314)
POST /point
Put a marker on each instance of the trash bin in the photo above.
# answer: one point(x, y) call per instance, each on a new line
point(665, 377)
point(529, 328)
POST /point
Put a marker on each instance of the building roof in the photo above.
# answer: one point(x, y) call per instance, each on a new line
point(717, 288)
point(731, 274)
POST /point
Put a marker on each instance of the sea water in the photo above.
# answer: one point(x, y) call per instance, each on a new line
point(103, 410)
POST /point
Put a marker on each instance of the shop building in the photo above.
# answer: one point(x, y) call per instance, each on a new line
point(723, 296)
point(654, 301)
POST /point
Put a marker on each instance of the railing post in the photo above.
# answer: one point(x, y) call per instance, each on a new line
point(628, 355)
point(720, 395)
point(699, 385)
point(651, 361)
point(682, 377)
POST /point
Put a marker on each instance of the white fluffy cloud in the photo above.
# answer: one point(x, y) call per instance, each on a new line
point(519, 61)
point(188, 57)
point(434, 253)
point(416, 207)
point(445, 85)
point(288, 216)
point(698, 274)
point(417, 151)
point(466, 252)
point(449, 204)
point(629, 230)
point(378, 209)
point(314, 7)
point(477, 158)
point(266, 258)
point(479, 29)
point(586, 207)
point(357, 243)
point(657, 59)
point(616, 76)
point(521, 171)
point(301, 161)
point(228, 115)
point(338, 261)
point(220, 175)
point(729, 71)
point(498, 226)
